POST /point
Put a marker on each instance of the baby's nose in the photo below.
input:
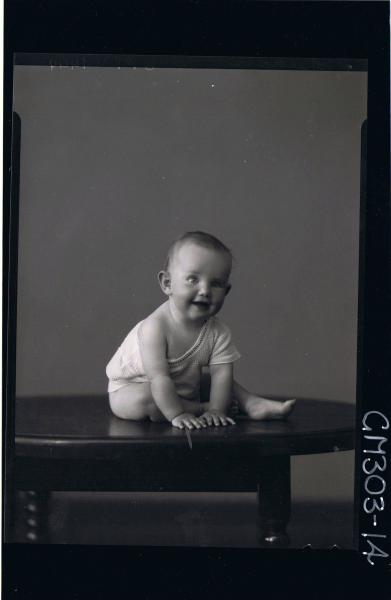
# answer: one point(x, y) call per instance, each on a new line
point(204, 289)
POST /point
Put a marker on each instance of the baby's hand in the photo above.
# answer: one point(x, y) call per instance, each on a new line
point(188, 420)
point(217, 417)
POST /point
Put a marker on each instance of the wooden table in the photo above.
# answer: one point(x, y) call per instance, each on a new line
point(76, 444)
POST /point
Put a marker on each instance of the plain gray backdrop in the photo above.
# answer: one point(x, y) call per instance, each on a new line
point(116, 163)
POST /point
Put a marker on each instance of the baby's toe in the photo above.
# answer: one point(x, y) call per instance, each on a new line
point(287, 406)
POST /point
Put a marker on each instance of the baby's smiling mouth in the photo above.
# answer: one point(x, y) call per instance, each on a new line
point(201, 303)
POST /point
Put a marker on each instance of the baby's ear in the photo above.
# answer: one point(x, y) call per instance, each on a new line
point(165, 281)
point(228, 289)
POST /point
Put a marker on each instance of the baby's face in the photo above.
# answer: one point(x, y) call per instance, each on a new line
point(199, 281)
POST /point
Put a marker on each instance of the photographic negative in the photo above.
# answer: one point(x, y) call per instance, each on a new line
point(115, 156)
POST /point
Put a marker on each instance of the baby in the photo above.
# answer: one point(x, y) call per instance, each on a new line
point(156, 372)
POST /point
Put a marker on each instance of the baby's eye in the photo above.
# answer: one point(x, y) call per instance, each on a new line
point(191, 279)
point(219, 284)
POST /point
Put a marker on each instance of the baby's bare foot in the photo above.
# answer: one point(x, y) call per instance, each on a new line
point(261, 409)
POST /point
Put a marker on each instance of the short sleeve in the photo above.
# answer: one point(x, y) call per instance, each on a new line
point(223, 348)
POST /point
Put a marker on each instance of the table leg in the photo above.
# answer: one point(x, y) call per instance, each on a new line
point(10, 504)
point(36, 512)
point(274, 501)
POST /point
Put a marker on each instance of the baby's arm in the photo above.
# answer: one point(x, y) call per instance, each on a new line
point(153, 355)
point(220, 395)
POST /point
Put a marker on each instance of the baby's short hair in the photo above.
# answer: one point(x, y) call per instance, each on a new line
point(202, 239)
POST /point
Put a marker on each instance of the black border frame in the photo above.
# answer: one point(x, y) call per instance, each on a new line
point(309, 30)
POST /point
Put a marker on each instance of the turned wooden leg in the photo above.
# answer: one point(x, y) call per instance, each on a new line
point(274, 501)
point(36, 512)
point(10, 508)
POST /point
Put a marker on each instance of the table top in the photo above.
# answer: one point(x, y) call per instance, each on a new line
point(83, 426)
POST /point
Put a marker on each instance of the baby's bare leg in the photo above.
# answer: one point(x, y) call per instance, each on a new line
point(261, 409)
point(253, 406)
point(135, 402)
